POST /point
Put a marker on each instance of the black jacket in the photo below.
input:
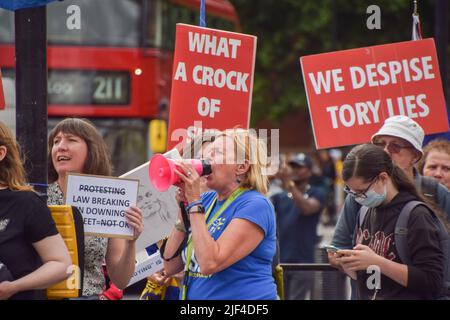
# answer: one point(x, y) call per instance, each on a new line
point(426, 272)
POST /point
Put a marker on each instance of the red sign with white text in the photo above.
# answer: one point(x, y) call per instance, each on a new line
point(212, 81)
point(351, 92)
point(2, 96)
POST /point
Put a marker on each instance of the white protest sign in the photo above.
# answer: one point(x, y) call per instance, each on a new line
point(102, 202)
point(146, 268)
point(159, 209)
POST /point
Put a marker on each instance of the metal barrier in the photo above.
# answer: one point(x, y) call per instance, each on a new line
point(307, 267)
point(326, 282)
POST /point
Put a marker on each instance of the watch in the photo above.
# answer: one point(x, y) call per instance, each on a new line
point(197, 209)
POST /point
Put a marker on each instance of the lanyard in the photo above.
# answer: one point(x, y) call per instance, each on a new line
point(190, 246)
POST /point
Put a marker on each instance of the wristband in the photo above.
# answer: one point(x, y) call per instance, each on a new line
point(199, 209)
point(193, 203)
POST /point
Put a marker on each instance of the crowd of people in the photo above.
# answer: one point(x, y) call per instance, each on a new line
point(237, 224)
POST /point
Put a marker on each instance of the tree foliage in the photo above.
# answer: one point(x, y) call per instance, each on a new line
point(289, 29)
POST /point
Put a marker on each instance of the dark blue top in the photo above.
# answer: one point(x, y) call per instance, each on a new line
point(297, 231)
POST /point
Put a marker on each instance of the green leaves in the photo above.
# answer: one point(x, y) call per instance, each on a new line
point(289, 29)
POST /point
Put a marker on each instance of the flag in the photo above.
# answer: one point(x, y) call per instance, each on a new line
point(416, 31)
point(20, 4)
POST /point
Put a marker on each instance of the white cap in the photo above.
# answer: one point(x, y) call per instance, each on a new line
point(405, 128)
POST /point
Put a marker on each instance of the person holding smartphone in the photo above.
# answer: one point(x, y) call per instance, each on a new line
point(374, 181)
point(401, 138)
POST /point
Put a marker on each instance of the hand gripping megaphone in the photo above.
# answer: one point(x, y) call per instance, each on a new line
point(161, 171)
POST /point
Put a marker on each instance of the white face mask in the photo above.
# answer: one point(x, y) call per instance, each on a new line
point(372, 199)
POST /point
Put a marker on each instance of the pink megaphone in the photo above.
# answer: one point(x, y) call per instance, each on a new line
point(161, 171)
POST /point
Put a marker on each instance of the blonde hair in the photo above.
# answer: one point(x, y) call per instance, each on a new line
point(193, 150)
point(12, 172)
point(249, 147)
point(435, 145)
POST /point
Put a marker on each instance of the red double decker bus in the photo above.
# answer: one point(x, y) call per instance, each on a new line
point(111, 61)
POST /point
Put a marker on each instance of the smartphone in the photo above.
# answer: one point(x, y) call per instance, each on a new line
point(331, 248)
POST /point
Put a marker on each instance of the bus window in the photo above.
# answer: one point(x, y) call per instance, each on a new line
point(117, 24)
point(6, 31)
point(116, 69)
point(85, 87)
point(153, 23)
point(173, 14)
point(8, 115)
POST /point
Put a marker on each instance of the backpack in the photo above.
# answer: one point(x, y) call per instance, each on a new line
point(428, 187)
point(401, 241)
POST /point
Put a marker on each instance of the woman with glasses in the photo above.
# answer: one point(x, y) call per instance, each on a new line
point(401, 138)
point(372, 180)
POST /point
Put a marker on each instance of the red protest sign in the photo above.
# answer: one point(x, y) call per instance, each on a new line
point(212, 81)
point(2, 96)
point(351, 92)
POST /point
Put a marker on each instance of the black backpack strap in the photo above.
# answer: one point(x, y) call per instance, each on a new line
point(429, 188)
point(401, 242)
point(362, 215)
point(401, 231)
point(360, 219)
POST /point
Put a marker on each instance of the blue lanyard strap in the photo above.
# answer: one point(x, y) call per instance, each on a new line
point(190, 246)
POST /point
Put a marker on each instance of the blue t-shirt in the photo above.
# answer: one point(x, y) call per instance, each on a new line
point(297, 231)
point(251, 277)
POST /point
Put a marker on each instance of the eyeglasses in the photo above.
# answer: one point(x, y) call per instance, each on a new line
point(392, 147)
point(359, 194)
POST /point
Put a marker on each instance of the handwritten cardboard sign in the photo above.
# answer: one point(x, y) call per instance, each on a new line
point(102, 202)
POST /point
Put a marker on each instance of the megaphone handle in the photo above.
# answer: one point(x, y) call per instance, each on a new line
point(184, 216)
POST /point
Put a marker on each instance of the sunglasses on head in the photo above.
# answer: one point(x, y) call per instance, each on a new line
point(392, 147)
